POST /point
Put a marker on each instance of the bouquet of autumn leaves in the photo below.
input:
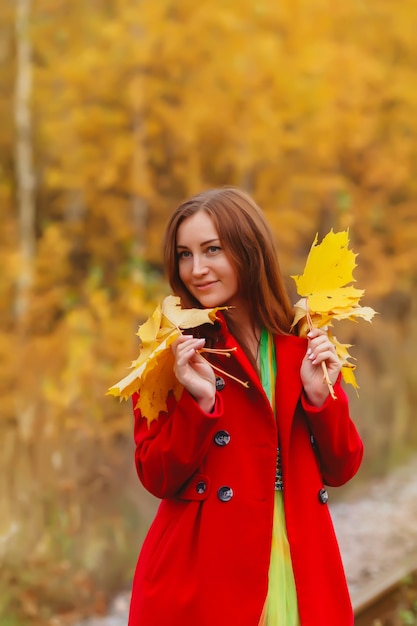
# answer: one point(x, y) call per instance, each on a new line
point(326, 295)
point(152, 376)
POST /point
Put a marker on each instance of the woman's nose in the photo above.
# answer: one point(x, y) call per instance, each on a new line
point(199, 266)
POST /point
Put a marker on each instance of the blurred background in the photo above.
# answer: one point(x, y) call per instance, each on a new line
point(113, 111)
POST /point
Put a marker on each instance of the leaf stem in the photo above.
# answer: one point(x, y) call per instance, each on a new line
point(224, 352)
point(218, 369)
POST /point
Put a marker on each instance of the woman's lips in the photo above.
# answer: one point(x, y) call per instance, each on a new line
point(205, 286)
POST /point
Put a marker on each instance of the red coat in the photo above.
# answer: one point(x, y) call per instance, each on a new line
point(205, 559)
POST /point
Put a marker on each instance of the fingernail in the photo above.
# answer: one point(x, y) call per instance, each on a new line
point(309, 351)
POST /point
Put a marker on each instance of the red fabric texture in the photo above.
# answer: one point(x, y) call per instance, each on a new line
point(205, 561)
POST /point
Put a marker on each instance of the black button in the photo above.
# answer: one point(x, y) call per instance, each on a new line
point(201, 487)
point(323, 496)
point(222, 438)
point(225, 493)
point(219, 383)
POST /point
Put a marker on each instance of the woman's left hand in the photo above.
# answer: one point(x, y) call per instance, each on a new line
point(320, 350)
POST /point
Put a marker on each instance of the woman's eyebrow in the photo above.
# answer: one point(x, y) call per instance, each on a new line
point(203, 243)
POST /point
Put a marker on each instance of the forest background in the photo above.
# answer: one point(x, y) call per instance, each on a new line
point(111, 112)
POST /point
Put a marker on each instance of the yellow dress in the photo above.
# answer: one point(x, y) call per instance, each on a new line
point(281, 606)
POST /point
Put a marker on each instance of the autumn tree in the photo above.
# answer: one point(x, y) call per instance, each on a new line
point(122, 108)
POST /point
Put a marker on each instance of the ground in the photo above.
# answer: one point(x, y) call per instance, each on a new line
point(377, 532)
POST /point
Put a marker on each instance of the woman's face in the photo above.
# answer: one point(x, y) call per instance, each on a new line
point(203, 265)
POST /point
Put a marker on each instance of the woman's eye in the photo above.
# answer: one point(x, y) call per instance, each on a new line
point(213, 249)
point(184, 254)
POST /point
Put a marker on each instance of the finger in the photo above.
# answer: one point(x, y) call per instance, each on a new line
point(316, 332)
point(322, 352)
point(187, 350)
point(184, 341)
point(322, 342)
point(319, 338)
point(325, 355)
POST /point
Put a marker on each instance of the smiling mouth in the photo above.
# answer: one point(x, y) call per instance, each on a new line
point(204, 286)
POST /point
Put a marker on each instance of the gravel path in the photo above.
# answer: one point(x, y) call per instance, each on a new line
point(375, 529)
point(378, 530)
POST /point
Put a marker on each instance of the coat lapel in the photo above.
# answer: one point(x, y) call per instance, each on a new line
point(290, 351)
point(242, 367)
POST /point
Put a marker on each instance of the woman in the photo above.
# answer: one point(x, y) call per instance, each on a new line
point(243, 535)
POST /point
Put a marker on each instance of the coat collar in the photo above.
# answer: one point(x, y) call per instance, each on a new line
point(290, 351)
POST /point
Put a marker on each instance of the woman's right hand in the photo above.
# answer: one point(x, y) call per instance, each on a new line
point(193, 371)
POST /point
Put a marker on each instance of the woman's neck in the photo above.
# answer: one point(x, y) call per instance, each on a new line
point(247, 333)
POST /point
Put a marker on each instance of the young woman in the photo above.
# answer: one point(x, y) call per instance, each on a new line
point(243, 535)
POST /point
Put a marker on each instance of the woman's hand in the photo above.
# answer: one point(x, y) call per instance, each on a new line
point(193, 371)
point(320, 350)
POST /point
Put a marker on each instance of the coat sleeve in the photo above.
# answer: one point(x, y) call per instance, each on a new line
point(171, 448)
point(338, 445)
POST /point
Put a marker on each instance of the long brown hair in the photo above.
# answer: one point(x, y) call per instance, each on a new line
point(248, 242)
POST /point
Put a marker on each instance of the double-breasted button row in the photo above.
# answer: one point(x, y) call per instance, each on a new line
point(224, 493)
point(221, 438)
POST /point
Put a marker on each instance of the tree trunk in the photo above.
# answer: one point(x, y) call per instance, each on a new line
point(139, 180)
point(25, 187)
point(25, 180)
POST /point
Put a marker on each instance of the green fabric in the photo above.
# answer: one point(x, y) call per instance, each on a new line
point(268, 365)
point(281, 606)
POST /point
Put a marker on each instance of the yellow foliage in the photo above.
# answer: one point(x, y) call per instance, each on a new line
point(329, 267)
point(327, 295)
point(311, 106)
point(153, 371)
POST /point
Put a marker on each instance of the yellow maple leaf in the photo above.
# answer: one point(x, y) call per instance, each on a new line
point(156, 384)
point(329, 265)
point(153, 375)
point(349, 376)
point(327, 294)
point(347, 367)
